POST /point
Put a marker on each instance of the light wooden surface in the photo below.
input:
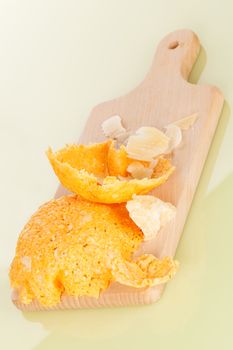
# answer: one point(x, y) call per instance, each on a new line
point(163, 97)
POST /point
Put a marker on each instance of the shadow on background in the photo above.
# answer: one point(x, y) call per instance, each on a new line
point(198, 67)
point(210, 218)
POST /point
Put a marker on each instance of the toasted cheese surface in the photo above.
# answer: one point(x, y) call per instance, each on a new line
point(76, 247)
point(68, 246)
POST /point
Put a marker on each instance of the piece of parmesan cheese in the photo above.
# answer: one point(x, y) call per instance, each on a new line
point(175, 135)
point(139, 171)
point(113, 128)
point(147, 143)
point(150, 214)
point(187, 122)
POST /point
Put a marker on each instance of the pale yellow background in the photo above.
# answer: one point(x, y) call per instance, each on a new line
point(57, 60)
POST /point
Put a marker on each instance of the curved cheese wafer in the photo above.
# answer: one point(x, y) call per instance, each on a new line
point(77, 179)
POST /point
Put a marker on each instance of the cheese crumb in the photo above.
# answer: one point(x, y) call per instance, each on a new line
point(150, 214)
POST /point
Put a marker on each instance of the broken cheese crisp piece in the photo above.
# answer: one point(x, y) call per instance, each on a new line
point(150, 214)
point(77, 248)
point(175, 135)
point(144, 271)
point(146, 144)
point(83, 175)
point(70, 244)
point(113, 128)
point(187, 122)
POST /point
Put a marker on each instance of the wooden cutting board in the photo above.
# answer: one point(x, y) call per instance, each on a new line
point(163, 97)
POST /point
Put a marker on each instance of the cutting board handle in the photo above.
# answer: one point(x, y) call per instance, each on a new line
point(176, 54)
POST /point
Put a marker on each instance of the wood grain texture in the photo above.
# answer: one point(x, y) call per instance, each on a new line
point(163, 97)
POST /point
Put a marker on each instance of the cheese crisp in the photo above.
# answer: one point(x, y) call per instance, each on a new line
point(79, 169)
point(75, 247)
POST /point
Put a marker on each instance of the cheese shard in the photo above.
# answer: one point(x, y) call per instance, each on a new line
point(144, 271)
point(147, 143)
point(150, 214)
point(187, 122)
point(175, 135)
point(139, 171)
point(113, 128)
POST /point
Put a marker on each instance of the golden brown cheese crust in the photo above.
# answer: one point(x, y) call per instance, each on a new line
point(82, 178)
point(68, 246)
point(75, 247)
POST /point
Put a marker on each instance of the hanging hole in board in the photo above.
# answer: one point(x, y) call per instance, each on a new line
point(173, 45)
